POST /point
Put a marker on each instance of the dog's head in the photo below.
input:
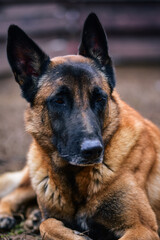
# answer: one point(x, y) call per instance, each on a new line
point(69, 96)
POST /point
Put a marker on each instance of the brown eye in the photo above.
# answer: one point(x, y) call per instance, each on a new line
point(99, 99)
point(60, 101)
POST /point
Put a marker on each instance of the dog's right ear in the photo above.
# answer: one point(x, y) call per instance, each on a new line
point(94, 45)
point(27, 60)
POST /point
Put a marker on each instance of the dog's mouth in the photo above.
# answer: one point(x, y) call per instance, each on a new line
point(86, 163)
point(79, 161)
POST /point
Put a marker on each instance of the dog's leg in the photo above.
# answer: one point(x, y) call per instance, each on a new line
point(52, 229)
point(141, 219)
point(140, 233)
point(10, 181)
point(13, 201)
point(129, 208)
point(33, 219)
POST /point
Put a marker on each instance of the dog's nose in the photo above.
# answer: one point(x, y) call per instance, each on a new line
point(91, 149)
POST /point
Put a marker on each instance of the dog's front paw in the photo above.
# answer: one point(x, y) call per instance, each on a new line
point(6, 222)
point(53, 229)
point(33, 221)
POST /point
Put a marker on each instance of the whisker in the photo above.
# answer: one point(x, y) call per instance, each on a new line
point(108, 166)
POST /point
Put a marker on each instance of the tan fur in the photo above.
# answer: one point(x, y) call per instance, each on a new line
point(59, 228)
point(22, 194)
point(9, 181)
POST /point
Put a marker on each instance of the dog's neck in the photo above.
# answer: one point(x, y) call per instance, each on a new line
point(84, 182)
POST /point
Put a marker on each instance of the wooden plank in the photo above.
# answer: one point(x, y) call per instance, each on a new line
point(56, 19)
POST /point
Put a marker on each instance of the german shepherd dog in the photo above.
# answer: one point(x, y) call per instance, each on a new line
point(94, 163)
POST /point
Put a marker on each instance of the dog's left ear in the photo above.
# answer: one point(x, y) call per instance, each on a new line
point(94, 45)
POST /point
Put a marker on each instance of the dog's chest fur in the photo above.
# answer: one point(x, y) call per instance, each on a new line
point(73, 198)
point(66, 193)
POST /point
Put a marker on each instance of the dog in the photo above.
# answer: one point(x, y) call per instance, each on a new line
point(94, 163)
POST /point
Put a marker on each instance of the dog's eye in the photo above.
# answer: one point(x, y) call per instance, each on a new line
point(100, 99)
point(59, 101)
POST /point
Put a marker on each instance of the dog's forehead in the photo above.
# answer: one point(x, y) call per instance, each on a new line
point(70, 59)
point(75, 71)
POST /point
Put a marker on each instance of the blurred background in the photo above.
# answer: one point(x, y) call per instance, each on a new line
point(133, 30)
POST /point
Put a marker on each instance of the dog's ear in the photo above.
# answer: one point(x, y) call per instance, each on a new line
point(94, 45)
point(94, 41)
point(27, 60)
